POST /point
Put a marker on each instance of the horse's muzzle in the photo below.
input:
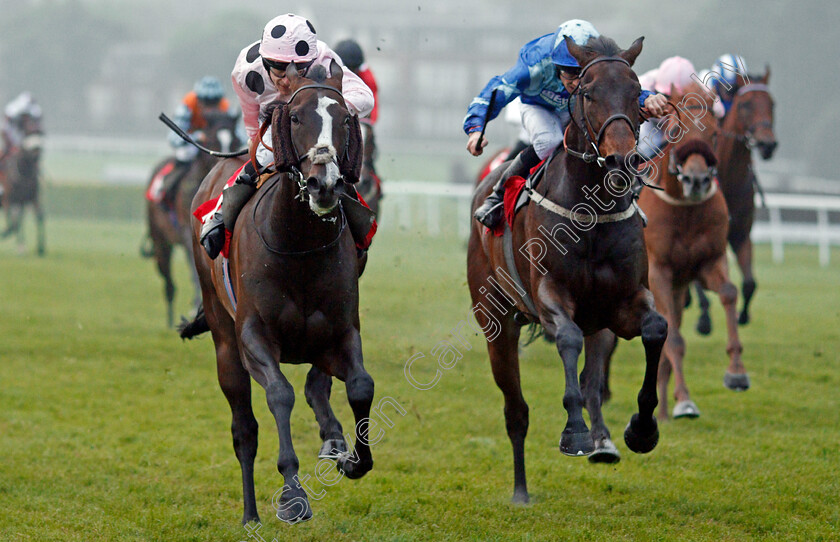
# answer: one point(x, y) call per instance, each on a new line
point(323, 196)
point(766, 148)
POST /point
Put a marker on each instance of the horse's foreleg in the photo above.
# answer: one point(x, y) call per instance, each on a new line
point(163, 258)
point(576, 439)
point(359, 385)
point(39, 224)
point(262, 364)
point(599, 348)
point(744, 254)
point(639, 317)
point(704, 321)
point(317, 391)
point(670, 303)
point(716, 278)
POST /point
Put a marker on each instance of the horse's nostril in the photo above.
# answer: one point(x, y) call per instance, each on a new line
point(614, 161)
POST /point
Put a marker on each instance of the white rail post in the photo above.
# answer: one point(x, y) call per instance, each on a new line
point(824, 240)
point(776, 234)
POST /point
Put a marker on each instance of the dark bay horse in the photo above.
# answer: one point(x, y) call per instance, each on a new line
point(20, 180)
point(169, 219)
point(747, 125)
point(686, 239)
point(583, 273)
point(293, 270)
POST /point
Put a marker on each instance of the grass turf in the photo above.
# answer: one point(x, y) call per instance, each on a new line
point(111, 428)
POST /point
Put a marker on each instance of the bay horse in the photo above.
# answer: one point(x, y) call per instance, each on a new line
point(293, 271)
point(686, 238)
point(21, 176)
point(747, 125)
point(582, 291)
point(169, 219)
point(370, 184)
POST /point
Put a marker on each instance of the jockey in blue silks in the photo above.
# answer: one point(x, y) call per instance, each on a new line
point(543, 78)
point(727, 68)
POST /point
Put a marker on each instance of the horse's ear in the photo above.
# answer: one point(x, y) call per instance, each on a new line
point(292, 74)
point(581, 54)
point(351, 167)
point(336, 74)
point(673, 91)
point(633, 51)
point(766, 78)
point(281, 139)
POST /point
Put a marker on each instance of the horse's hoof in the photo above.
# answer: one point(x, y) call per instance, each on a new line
point(333, 448)
point(605, 452)
point(744, 318)
point(736, 382)
point(520, 497)
point(576, 444)
point(686, 409)
point(704, 324)
point(294, 509)
point(353, 469)
point(641, 438)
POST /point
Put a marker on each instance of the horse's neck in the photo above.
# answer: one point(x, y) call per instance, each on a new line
point(735, 156)
point(293, 226)
point(572, 181)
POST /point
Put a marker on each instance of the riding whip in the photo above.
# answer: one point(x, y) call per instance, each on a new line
point(186, 137)
point(486, 118)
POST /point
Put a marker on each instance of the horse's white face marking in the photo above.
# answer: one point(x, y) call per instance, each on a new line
point(324, 152)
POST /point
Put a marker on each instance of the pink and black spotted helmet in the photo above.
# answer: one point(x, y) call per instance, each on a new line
point(289, 38)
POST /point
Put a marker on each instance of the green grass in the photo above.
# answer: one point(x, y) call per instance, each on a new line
point(111, 428)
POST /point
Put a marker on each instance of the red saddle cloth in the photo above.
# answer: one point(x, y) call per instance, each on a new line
point(155, 191)
point(513, 189)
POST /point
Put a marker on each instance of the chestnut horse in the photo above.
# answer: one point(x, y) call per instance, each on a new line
point(293, 271)
point(20, 181)
point(169, 220)
point(748, 124)
point(582, 290)
point(686, 239)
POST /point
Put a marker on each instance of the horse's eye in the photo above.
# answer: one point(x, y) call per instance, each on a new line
point(294, 118)
point(587, 97)
point(347, 120)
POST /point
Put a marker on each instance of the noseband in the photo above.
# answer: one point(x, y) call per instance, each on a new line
point(586, 127)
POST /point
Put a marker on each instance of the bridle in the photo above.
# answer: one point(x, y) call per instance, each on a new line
point(747, 137)
point(295, 169)
point(593, 138)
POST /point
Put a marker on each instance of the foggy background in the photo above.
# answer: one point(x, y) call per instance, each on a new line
point(106, 69)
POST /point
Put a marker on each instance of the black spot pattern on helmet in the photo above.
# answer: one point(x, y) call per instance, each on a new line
point(301, 48)
point(278, 31)
point(312, 28)
point(253, 53)
point(255, 82)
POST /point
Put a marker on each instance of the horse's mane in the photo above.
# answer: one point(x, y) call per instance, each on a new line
point(696, 146)
point(601, 46)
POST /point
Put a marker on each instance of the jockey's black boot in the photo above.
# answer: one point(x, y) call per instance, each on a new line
point(234, 198)
point(491, 212)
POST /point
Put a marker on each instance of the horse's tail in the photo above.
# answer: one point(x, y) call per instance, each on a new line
point(190, 329)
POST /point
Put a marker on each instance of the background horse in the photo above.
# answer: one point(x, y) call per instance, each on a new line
point(294, 297)
point(577, 291)
point(748, 124)
point(686, 239)
point(370, 185)
point(20, 182)
point(169, 219)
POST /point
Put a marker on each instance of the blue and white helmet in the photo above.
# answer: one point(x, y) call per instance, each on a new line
point(580, 31)
point(209, 89)
point(728, 66)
